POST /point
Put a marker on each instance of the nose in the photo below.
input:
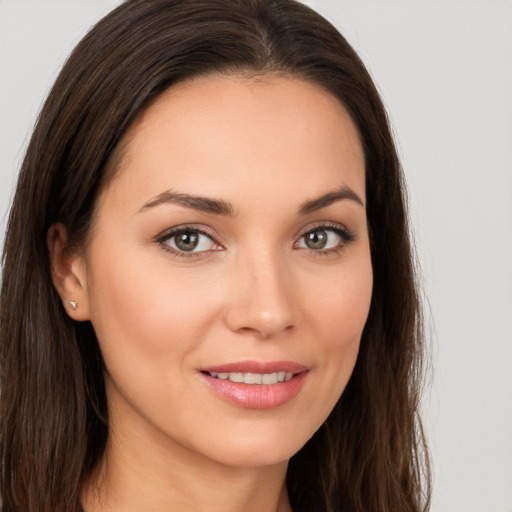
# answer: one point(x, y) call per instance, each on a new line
point(261, 298)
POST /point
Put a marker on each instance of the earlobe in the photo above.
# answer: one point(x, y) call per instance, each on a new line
point(68, 272)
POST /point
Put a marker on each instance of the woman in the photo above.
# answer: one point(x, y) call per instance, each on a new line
point(208, 297)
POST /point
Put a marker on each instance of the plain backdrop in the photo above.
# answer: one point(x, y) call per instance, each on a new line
point(444, 69)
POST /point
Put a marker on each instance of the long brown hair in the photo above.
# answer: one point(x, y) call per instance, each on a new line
point(370, 454)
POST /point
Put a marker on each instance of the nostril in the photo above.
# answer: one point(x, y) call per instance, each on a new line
point(254, 331)
point(260, 314)
point(264, 333)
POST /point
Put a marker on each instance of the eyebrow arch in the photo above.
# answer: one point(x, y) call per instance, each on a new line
point(203, 204)
point(325, 200)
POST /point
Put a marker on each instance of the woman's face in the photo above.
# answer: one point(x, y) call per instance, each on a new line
point(229, 252)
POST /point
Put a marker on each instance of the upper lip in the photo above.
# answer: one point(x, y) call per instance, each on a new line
point(257, 367)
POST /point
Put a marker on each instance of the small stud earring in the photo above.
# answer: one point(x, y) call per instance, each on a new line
point(73, 304)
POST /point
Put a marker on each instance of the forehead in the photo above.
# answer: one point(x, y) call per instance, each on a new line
point(216, 133)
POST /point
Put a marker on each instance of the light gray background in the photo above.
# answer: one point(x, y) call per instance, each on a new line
point(445, 71)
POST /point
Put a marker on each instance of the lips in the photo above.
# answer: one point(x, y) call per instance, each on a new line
point(257, 367)
point(253, 378)
point(254, 384)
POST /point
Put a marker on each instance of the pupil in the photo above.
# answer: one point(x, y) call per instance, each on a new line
point(316, 239)
point(187, 241)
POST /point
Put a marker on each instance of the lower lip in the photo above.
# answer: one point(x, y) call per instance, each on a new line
point(257, 396)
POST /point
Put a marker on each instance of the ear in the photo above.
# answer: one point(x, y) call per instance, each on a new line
point(69, 274)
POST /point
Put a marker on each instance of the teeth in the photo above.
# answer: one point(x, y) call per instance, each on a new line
point(254, 378)
point(269, 378)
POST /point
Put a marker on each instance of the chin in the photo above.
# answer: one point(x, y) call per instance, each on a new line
point(257, 446)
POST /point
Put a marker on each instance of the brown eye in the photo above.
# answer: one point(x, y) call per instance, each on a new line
point(186, 241)
point(324, 238)
point(189, 241)
point(316, 239)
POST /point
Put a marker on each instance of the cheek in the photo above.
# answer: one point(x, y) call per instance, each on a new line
point(340, 308)
point(141, 311)
point(337, 315)
point(148, 327)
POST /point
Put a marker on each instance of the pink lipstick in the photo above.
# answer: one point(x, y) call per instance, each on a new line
point(254, 384)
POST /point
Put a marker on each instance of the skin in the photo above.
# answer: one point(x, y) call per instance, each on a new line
point(256, 292)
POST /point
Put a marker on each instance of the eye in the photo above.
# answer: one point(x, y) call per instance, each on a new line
point(188, 240)
point(324, 238)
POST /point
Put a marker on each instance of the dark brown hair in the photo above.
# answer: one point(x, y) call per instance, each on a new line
point(370, 453)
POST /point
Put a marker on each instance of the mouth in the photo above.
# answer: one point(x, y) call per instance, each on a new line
point(253, 378)
point(256, 385)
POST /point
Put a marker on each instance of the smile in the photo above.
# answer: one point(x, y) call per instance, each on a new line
point(256, 385)
point(254, 378)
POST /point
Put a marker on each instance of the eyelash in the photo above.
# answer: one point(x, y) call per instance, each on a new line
point(345, 235)
point(168, 235)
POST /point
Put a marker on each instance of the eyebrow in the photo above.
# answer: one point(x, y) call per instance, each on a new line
point(325, 200)
point(203, 204)
point(220, 207)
